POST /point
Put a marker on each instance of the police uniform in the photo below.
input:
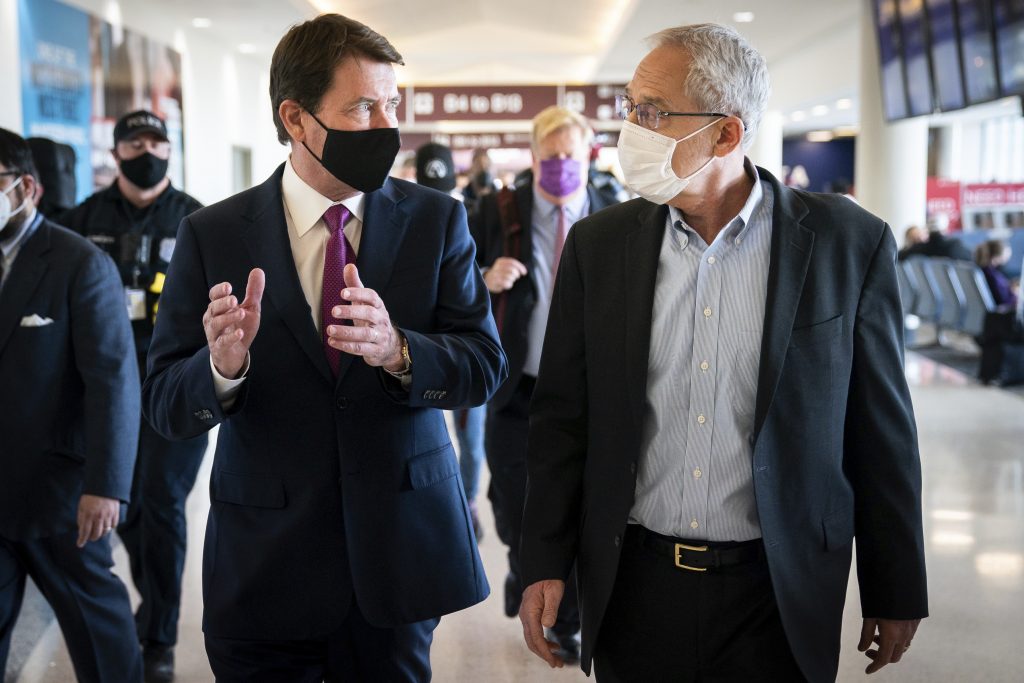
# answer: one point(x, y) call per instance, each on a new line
point(141, 242)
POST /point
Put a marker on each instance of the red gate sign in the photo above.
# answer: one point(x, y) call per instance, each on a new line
point(993, 194)
point(481, 103)
point(943, 197)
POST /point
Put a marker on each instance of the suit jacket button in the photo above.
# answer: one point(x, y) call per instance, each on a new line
point(342, 403)
point(618, 541)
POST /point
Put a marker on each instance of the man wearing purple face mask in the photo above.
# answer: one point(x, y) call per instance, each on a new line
point(519, 235)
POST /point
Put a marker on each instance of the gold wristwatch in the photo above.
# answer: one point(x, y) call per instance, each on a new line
point(407, 370)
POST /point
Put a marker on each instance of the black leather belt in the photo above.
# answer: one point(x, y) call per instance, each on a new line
point(697, 556)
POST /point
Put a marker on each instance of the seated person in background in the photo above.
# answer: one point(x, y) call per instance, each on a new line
point(913, 236)
point(990, 256)
point(939, 244)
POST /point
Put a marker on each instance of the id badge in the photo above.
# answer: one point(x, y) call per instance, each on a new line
point(135, 299)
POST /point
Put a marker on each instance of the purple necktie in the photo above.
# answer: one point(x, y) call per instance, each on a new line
point(338, 253)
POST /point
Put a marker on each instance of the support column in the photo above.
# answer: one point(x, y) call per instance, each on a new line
point(891, 164)
point(10, 70)
point(766, 151)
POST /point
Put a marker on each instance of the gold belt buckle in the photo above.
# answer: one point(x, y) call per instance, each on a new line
point(680, 547)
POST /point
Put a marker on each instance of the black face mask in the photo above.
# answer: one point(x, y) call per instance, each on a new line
point(145, 170)
point(361, 159)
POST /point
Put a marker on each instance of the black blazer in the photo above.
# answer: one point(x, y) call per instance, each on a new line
point(516, 305)
point(69, 421)
point(326, 489)
point(834, 443)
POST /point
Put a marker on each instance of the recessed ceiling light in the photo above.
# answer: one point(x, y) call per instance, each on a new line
point(844, 103)
point(202, 22)
point(820, 136)
point(247, 48)
point(798, 116)
point(743, 17)
point(820, 110)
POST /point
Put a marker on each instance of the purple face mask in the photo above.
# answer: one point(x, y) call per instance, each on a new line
point(559, 177)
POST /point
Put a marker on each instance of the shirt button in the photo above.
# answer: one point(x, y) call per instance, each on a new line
point(694, 525)
point(711, 260)
point(707, 312)
point(704, 366)
point(697, 473)
point(738, 240)
point(701, 419)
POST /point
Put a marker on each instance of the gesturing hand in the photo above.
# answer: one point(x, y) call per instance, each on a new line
point(371, 334)
point(230, 327)
point(537, 610)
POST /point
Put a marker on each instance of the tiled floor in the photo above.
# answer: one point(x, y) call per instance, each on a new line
point(972, 446)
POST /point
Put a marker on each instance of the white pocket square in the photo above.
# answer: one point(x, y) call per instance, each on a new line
point(35, 321)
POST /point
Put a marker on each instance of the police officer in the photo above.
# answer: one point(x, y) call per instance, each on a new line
point(135, 220)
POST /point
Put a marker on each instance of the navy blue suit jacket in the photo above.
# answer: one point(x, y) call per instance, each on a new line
point(325, 488)
point(69, 398)
point(834, 443)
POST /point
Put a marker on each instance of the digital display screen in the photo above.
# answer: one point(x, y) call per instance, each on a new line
point(1009, 16)
point(920, 96)
point(945, 48)
point(894, 92)
point(978, 50)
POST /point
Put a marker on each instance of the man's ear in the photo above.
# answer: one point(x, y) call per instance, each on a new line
point(730, 136)
point(290, 113)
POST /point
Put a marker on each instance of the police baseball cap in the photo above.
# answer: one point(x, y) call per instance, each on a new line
point(137, 123)
point(435, 168)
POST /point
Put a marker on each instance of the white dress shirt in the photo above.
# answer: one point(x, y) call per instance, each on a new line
point(304, 209)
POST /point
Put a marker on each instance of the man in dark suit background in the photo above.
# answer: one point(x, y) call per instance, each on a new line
point(519, 236)
point(721, 407)
point(338, 530)
point(69, 425)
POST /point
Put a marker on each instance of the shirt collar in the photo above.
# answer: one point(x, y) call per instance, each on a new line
point(574, 208)
point(27, 228)
point(306, 206)
point(738, 226)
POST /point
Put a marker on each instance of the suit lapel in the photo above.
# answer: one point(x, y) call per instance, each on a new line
point(790, 257)
point(643, 247)
point(266, 238)
point(384, 226)
point(26, 273)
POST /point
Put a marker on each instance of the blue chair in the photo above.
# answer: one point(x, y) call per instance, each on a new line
point(929, 298)
point(978, 300)
point(952, 309)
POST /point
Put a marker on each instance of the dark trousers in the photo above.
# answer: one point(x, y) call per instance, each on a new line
point(154, 530)
point(664, 623)
point(90, 602)
point(355, 653)
point(507, 429)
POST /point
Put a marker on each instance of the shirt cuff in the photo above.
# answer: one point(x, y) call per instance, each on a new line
point(227, 389)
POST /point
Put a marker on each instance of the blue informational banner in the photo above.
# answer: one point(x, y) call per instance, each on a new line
point(56, 89)
point(79, 74)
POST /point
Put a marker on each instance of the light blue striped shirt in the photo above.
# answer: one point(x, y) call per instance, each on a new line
point(694, 478)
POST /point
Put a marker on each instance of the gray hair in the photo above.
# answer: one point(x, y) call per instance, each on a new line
point(727, 74)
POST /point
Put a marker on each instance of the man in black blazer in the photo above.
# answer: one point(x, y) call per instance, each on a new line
point(519, 236)
point(338, 532)
point(69, 424)
point(721, 408)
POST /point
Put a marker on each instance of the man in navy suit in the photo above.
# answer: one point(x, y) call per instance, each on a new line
point(338, 531)
point(721, 406)
point(69, 425)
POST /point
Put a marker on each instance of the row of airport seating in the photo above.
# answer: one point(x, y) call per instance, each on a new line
point(952, 295)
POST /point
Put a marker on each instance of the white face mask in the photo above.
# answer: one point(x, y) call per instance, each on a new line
point(6, 213)
point(646, 159)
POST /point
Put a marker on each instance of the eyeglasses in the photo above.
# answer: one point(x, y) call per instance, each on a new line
point(648, 115)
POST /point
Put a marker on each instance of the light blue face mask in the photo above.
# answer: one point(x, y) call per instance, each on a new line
point(6, 213)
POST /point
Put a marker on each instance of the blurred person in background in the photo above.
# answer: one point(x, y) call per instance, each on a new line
point(135, 220)
point(991, 256)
